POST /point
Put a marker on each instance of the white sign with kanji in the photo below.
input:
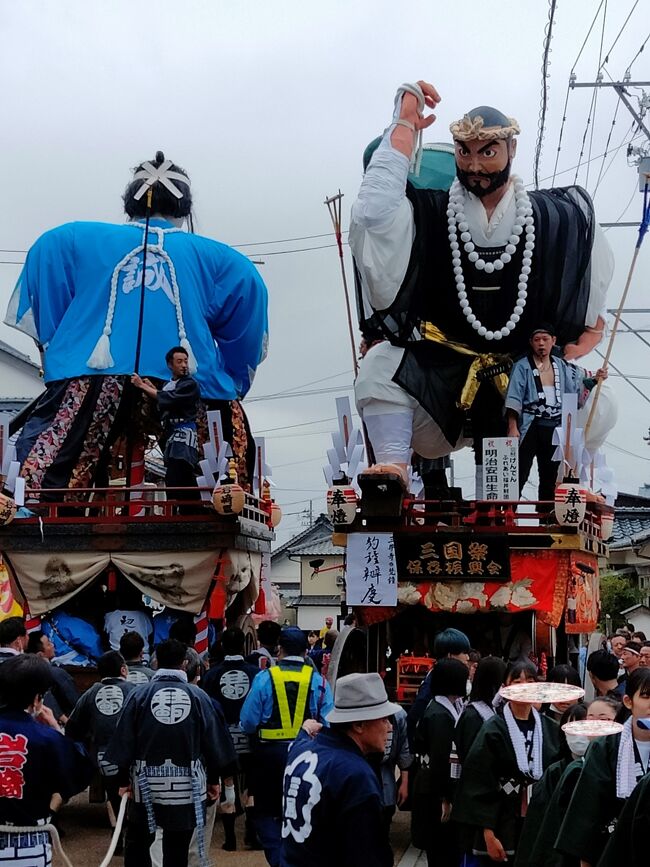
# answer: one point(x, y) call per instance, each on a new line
point(501, 468)
point(371, 570)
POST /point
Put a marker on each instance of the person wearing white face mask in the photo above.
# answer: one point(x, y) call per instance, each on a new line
point(551, 795)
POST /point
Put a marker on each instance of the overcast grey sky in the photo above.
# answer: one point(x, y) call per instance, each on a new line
point(269, 106)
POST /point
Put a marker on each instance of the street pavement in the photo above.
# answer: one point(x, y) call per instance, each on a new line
point(87, 836)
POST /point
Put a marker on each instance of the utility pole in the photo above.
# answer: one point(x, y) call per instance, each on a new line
point(641, 153)
point(620, 88)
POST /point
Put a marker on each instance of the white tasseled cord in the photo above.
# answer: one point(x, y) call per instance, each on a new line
point(101, 358)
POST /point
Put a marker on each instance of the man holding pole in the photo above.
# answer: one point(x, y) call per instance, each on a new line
point(534, 405)
point(101, 299)
point(178, 402)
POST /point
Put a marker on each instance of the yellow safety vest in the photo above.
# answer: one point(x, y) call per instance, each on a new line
point(289, 727)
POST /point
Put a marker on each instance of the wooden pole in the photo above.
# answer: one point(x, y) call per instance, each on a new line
point(334, 207)
point(643, 228)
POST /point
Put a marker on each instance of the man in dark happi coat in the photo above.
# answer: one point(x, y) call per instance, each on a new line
point(178, 402)
point(455, 281)
point(169, 749)
point(36, 761)
point(97, 713)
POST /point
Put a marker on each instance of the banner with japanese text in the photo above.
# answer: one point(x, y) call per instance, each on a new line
point(538, 581)
point(501, 468)
point(442, 557)
point(371, 570)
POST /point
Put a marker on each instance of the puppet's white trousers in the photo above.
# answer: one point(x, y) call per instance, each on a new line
point(396, 423)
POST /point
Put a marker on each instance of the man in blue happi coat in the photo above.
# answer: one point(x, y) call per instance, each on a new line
point(332, 799)
point(83, 298)
point(36, 761)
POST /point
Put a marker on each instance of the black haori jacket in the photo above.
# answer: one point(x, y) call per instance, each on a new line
point(558, 293)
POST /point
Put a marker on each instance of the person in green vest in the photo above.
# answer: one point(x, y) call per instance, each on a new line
point(281, 698)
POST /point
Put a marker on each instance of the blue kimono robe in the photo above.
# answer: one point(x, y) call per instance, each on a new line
point(64, 292)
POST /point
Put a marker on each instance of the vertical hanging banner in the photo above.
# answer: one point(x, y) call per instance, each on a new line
point(371, 570)
point(501, 468)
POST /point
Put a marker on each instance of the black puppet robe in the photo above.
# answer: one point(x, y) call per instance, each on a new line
point(491, 785)
point(594, 807)
point(558, 293)
point(433, 743)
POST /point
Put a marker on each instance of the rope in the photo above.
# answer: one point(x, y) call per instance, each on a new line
point(56, 840)
point(119, 821)
point(48, 828)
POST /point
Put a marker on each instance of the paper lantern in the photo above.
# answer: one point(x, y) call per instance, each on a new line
point(229, 499)
point(342, 504)
point(276, 514)
point(570, 504)
point(8, 509)
point(606, 525)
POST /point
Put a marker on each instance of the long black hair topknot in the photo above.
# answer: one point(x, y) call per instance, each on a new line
point(163, 201)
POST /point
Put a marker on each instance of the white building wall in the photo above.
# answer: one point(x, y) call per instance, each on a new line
point(18, 379)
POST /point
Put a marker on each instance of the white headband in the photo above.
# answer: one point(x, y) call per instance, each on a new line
point(150, 174)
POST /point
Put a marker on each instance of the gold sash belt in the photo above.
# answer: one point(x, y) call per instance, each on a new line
point(482, 361)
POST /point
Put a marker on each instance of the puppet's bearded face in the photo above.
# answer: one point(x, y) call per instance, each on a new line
point(484, 166)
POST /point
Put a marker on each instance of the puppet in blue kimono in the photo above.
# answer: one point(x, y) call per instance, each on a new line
point(82, 297)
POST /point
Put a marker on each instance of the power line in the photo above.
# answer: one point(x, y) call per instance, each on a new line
point(606, 60)
point(282, 395)
point(626, 452)
point(300, 424)
point(568, 91)
point(597, 157)
point(278, 241)
point(593, 107)
point(301, 250)
point(544, 97)
point(629, 66)
point(601, 173)
point(626, 208)
point(306, 384)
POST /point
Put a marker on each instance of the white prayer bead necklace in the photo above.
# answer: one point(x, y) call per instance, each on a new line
point(523, 225)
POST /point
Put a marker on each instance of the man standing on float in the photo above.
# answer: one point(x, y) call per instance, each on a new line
point(456, 280)
point(97, 319)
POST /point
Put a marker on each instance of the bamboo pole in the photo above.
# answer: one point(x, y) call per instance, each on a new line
point(643, 228)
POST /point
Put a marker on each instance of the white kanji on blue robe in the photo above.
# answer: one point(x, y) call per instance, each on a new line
point(63, 294)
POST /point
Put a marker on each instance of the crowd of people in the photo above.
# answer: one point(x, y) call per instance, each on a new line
point(185, 739)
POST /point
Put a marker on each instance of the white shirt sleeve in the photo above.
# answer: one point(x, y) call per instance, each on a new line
point(382, 227)
point(602, 271)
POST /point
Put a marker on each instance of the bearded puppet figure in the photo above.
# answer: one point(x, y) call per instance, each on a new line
point(83, 297)
point(454, 281)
